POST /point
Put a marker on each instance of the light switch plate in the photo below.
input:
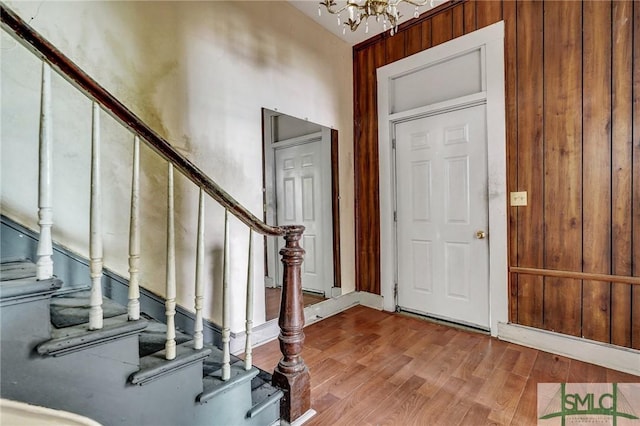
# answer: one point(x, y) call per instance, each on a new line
point(519, 198)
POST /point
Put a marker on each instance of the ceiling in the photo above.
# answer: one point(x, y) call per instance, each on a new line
point(330, 22)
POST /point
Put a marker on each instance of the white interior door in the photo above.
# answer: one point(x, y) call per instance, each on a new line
point(300, 199)
point(442, 215)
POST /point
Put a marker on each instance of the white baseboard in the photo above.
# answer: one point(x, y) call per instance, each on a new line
point(330, 307)
point(300, 420)
point(603, 354)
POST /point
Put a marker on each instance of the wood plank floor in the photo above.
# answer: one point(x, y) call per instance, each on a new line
point(377, 368)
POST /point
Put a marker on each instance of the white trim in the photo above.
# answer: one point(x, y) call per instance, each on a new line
point(603, 354)
point(491, 39)
point(440, 107)
point(300, 420)
point(299, 140)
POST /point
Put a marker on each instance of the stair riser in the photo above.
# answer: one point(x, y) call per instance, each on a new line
point(87, 382)
point(228, 408)
point(23, 327)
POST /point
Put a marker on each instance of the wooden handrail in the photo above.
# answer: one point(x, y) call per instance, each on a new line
point(43, 49)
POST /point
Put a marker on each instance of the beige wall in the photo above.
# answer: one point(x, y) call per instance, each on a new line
point(199, 74)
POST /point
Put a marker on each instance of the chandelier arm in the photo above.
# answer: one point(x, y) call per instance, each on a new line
point(392, 20)
point(370, 8)
point(330, 3)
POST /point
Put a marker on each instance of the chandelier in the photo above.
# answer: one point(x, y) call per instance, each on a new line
point(362, 10)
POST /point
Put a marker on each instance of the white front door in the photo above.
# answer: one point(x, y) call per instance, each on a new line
point(442, 215)
point(301, 197)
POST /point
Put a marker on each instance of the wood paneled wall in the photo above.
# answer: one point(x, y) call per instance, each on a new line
point(573, 143)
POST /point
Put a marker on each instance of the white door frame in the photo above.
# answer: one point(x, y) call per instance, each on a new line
point(491, 40)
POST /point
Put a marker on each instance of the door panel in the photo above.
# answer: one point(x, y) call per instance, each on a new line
point(298, 201)
point(442, 201)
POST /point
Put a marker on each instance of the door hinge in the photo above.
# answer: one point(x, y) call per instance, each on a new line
point(395, 218)
point(393, 143)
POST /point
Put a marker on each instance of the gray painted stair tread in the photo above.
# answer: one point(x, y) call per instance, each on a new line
point(214, 385)
point(73, 309)
point(17, 269)
point(213, 362)
point(28, 287)
point(78, 337)
point(153, 338)
point(155, 365)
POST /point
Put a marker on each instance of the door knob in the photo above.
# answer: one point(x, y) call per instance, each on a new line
point(480, 235)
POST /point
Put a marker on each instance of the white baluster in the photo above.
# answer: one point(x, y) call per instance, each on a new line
point(197, 328)
point(134, 236)
point(170, 304)
point(226, 332)
point(248, 358)
point(44, 269)
point(95, 225)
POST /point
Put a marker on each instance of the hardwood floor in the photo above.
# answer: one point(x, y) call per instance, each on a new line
point(377, 368)
point(272, 301)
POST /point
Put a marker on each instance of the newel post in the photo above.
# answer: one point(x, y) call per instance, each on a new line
point(291, 373)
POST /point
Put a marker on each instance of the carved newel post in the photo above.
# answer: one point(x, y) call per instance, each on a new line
point(291, 373)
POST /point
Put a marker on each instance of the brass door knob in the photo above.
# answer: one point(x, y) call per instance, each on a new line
point(480, 235)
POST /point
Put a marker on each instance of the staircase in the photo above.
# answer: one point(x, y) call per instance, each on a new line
point(69, 348)
point(119, 374)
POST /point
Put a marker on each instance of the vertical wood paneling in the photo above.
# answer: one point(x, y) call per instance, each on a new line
point(414, 39)
point(488, 12)
point(596, 167)
point(470, 16)
point(530, 159)
point(360, 113)
point(512, 139)
point(563, 163)
point(427, 39)
point(621, 169)
point(442, 27)
point(635, 309)
point(573, 143)
point(366, 155)
point(458, 20)
point(395, 47)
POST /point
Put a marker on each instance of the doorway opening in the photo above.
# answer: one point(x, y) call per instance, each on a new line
point(463, 73)
point(300, 186)
point(442, 215)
